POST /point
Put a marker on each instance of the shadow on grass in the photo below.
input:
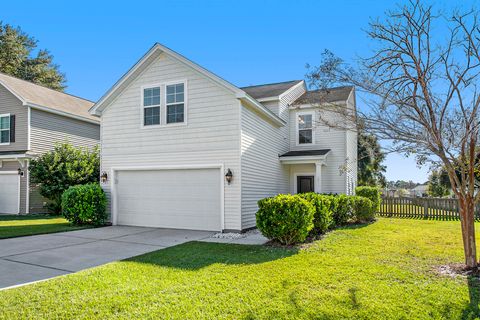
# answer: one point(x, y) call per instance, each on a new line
point(353, 226)
point(472, 311)
point(197, 255)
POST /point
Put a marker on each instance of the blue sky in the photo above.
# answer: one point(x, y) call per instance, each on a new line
point(245, 42)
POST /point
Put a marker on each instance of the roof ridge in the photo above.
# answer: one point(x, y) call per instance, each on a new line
point(42, 86)
point(269, 84)
point(330, 88)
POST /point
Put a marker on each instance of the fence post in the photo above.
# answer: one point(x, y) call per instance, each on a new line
point(425, 208)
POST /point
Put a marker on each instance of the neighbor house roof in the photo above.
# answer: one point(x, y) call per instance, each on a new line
point(269, 90)
point(48, 99)
point(325, 95)
point(303, 153)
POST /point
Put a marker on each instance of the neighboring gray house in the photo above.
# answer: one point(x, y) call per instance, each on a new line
point(32, 119)
point(183, 148)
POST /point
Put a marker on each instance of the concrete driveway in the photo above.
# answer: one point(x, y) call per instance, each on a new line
point(33, 258)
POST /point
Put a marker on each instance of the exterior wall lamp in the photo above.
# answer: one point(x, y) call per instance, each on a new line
point(229, 176)
point(104, 177)
point(20, 172)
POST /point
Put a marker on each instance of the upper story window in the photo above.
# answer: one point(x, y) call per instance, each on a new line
point(151, 106)
point(4, 129)
point(305, 128)
point(175, 103)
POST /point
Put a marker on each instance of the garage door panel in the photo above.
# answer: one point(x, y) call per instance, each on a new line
point(9, 193)
point(185, 199)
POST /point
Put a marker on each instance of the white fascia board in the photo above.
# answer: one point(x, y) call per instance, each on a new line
point(301, 83)
point(275, 98)
point(15, 156)
point(61, 113)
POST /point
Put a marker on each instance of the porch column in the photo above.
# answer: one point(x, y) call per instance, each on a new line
point(318, 177)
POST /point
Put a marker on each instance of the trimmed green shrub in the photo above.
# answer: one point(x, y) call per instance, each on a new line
point(285, 218)
point(341, 209)
point(84, 204)
point(372, 193)
point(363, 209)
point(322, 219)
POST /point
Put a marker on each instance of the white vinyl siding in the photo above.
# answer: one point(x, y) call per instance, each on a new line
point(325, 137)
point(211, 137)
point(351, 153)
point(262, 173)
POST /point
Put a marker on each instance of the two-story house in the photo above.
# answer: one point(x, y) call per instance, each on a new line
point(32, 120)
point(183, 148)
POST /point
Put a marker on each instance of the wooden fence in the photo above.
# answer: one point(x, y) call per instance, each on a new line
point(426, 208)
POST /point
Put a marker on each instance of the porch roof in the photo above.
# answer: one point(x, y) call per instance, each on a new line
point(302, 153)
point(305, 156)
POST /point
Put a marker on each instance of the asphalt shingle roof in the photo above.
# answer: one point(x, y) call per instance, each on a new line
point(46, 97)
point(269, 90)
point(319, 152)
point(325, 95)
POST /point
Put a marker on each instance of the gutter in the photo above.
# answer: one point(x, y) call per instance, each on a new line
point(61, 113)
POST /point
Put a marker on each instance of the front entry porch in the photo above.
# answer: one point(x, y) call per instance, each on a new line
point(305, 169)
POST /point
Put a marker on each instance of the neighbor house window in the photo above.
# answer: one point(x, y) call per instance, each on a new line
point(5, 128)
point(305, 128)
point(151, 106)
point(175, 103)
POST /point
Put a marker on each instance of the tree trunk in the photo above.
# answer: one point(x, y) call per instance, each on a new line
point(467, 218)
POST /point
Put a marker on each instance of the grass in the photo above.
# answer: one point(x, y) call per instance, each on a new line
point(27, 225)
point(377, 271)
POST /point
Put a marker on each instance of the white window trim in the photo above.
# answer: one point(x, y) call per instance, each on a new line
point(142, 107)
point(176, 124)
point(9, 129)
point(297, 135)
point(163, 105)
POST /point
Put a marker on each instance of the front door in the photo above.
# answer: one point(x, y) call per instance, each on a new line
point(305, 184)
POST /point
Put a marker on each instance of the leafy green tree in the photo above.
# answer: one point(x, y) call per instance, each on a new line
point(370, 158)
point(438, 185)
point(65, 166)
point(19, 58)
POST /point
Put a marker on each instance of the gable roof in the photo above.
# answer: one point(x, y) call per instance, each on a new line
point(269, 90)
point(47, 99)
point(325, 95)
point(150, 56)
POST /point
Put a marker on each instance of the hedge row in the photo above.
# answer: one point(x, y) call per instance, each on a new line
point(290, 219)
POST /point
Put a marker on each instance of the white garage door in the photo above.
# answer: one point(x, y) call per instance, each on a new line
point(9, 192)
point(181, 199)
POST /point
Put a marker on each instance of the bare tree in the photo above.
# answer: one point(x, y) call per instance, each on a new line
point(421, 84)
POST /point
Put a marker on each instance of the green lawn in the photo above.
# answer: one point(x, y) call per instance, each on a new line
point(27, 225)
point(377, 271)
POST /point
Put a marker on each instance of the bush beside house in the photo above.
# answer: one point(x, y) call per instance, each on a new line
point(85, 204)
point(287, 218)
point(61, 168)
